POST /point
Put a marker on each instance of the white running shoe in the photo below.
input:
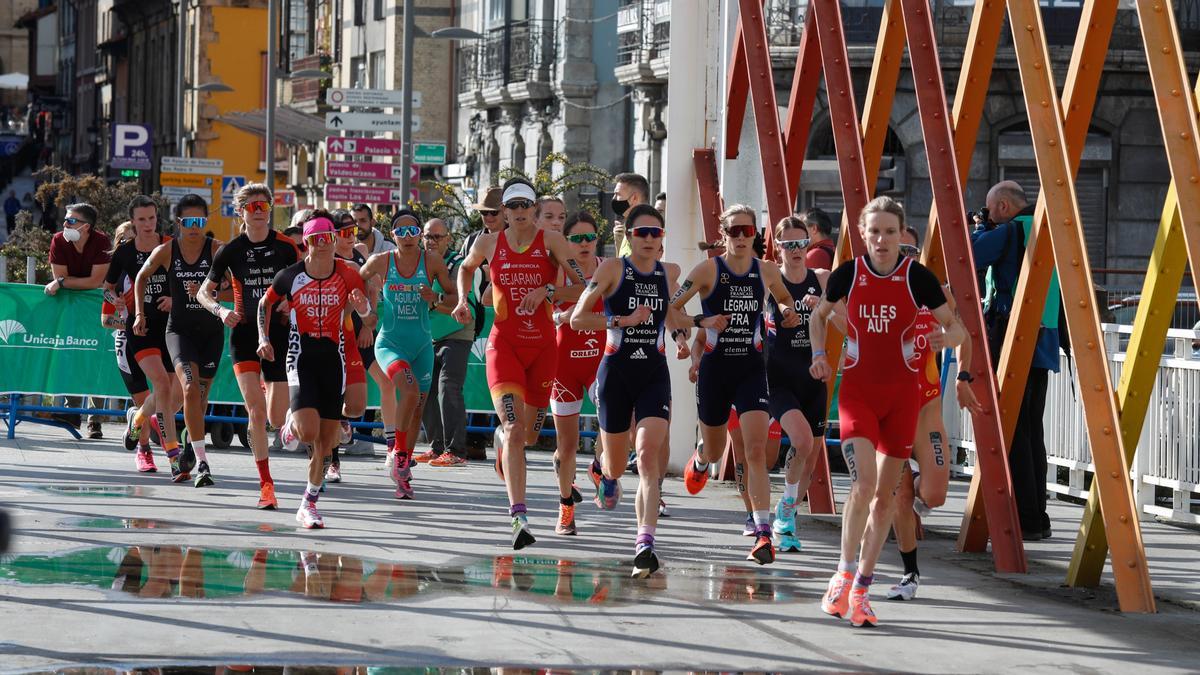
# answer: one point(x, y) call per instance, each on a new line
point(287, 436)
point(347, 433)
point(921, 508)
point(906, 589)
point(308, 517)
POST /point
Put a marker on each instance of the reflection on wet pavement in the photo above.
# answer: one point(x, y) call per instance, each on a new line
point(189, 572)
point(251, 526)
point(344, 670)
point(85, 523)
point(90, 490)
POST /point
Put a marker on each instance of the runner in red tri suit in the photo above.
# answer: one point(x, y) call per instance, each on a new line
point(521, 350)
point(878, 400)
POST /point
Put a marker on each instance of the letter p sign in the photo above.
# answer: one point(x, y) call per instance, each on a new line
point(131, 147)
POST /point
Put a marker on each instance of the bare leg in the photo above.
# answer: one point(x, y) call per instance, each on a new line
point(566, 428)
point(882, 503)
point(860, 460)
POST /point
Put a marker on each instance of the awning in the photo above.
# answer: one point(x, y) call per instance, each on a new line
point(291, 126)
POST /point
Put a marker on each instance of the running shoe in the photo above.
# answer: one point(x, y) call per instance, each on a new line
point(608, 494)
point(645, 562)
point(266, 497)
point(426, 457)
point(785, 517)
point(308, 517)
point(788, 543)
point(749, 529)
point(187, 459)
point(566, 520)
point(576, 495)
point(145, 461)
point(178, 475)
point(448, 459)
point(404, 490)
point(595, 473)
point(836, 601)
point(94, 431)
point(906, 589)
point(403, 463)
point(860, 609)
point(203, 475)
point(662, 509)
point(347, 436)
point(694, 479)
point(763, 552)
point(521, 536)
point(333, 474)
point(133, 431)
point(287, 435)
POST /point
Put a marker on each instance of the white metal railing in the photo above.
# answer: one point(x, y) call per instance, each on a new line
point(1168, 453)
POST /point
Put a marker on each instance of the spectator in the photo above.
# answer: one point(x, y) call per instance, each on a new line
point(12, 206)
point(492, 212)
point(631, 189)
point(79, 258)
point(371, 240)
point(445, 415)
point(660, 204)
point(999, 248)
point(821, 248)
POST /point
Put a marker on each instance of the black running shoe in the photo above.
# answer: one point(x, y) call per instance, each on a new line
point(203, 475)
point(187, 459)
point(521, 536)
point(576, 496)
point(645, 562)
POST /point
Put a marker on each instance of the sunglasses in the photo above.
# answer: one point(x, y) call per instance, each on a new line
point(518, 204)
point(488, 213)
point(651, 231)
point(436, 237)
point(909, 250)
point(405, 231)
point(72, 220)
point(320, 239)
point(581, 237)
point(747, 231)
point(793, 244)
point(348, 232)
point(193, 221)
point(257, 207)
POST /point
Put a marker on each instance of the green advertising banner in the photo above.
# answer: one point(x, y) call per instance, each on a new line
point(55, 345)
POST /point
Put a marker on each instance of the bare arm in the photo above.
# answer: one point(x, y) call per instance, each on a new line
point(955, 333)
point(820, 368)
point(480, 251)
point(93, 280)
point(603, 282)
point(773, 280)
point(159, 258)
point(560, 252)
point(449, 299)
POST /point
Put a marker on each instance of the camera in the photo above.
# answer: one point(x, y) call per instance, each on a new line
point(983, 216)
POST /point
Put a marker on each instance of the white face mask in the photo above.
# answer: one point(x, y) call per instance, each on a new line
point(71, 234)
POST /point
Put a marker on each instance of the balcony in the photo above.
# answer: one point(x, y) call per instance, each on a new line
point(517, 58)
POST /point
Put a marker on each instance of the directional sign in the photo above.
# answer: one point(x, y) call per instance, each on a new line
point(429, 153)
point(229, 187)
point(363, 170)
point(370, 98)
point(174, 194)
point(197, 165)
point(285, 198)
point(131, 147)
point(185, 180)
point(376, 147)
point(340, 121)
point(357, 193)
point(227, 210)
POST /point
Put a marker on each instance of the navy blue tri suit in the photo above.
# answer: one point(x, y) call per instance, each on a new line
point(789, 355)
point(632, 381)
point(732, 370)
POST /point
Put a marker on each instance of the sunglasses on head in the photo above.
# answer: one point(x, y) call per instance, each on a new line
point(319, 239)
point(651, 231)
point(193, 221)
point(747, 231)
point(581, 237)
point(405, 231)
point(488, 213)
point(793, 244)
point(518, 204)
point(257, 207)
point(909, 250)
point(72, 220)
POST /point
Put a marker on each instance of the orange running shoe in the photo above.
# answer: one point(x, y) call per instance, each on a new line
point(266, 497)
point(566, 520)
point(693, 479)
point(763, 552)
point(860, 609)
point(448, 459)
point(837, 597)
point(426, 457)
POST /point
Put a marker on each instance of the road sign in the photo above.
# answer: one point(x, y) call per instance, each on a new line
point(285, 198)
point(227, 210)
point(174, 194)
point(229, 187)
point(376, 147)
point(370, 98)
point(11, 145)
point(197, 165)
point(131, 147)
point(429, 153)
point(185, 180)
point(358, 193)
point(340, 121)
point(363, 170)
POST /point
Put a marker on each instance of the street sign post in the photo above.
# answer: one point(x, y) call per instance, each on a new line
point(363, 170)
point(340, 121)
point(174, 194)
point(195, 165)
point(370, 98)
point(185, 180)
point(359, 193)
point(429, 153)
point(131, 147)
point(376, 147)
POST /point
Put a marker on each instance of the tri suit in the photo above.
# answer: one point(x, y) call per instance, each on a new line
point(404, 337)
point(193, 335)
point(579, 354)
point(127, 261)
point(521, 348)
point(789, 356)
point(732, 370)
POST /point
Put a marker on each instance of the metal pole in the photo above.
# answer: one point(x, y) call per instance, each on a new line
point(272, 31)
point(180, 73)
point(406, 115)
point(30, 269)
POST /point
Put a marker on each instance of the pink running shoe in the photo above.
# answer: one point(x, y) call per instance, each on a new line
point(145, 461)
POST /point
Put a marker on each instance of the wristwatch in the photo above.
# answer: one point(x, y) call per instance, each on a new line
point(965, 376)
point(550, 291)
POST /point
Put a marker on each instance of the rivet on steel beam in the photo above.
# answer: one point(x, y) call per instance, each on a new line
point(1184, 135)
point(1097, 387)
point(1132, 564)
point(1124, 518)
point(1058, 181)
point(1074, 262)
point(999, 490)
point(1175, 93)
point(1091, 547)
point(1166, 50)
point(1193, 179)
point(1107, 431)
point(1053, 142)
point(1045, 104)
point(1114, 474)
point(1029, 27)
point(1037, 65)
point(1158, 8)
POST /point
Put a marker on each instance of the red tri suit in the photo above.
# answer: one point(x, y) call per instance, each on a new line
point(880, 392)
point(316, 356)
point(579, 354)
point(521, 348)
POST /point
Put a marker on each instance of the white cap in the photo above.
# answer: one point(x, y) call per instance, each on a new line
point(518, 191)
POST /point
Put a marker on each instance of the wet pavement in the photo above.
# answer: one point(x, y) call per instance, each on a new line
point(116, 570)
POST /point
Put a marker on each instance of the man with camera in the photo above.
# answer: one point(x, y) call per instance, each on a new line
point(998, 243)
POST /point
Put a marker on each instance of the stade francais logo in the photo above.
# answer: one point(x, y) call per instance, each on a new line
point(10, 328)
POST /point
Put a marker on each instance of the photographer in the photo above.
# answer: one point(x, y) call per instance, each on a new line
point(998, 244)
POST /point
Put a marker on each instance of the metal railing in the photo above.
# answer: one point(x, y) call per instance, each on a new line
point(1166, 468)
point(516, 52)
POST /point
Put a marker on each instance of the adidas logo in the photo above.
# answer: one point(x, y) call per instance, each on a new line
point(9, 328)
point(639, 355)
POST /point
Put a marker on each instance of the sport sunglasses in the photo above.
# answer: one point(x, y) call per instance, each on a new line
point(909, 250)
point(581, 237)
point(793, 244)
point(319, 238)
point(348, 232)
point(405, 231)
point(257, 207)
point(747, 231)
point(651, 231)
point(193, 221)
point(518, 204)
